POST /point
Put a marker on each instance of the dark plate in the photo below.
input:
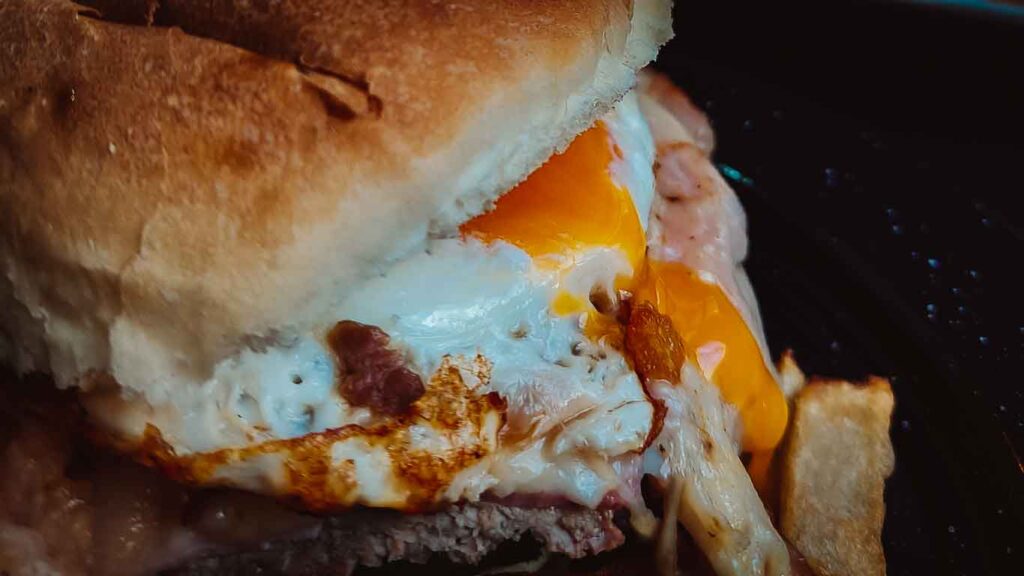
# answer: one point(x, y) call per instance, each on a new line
point(873, 148)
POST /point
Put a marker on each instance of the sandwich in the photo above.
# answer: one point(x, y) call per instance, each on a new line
point(326, 285)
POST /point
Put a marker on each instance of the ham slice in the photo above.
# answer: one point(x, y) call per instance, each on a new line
point(696, 218)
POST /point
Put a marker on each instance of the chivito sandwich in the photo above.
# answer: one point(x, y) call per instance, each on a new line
point(361, 282)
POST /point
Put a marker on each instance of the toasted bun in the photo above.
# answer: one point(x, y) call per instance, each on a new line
point(179, 179)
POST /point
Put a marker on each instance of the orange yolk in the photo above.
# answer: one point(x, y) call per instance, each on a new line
point(572, 203)
point(569, 204)
point(720, 343)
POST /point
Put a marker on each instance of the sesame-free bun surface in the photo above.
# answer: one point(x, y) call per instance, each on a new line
point(179, 179)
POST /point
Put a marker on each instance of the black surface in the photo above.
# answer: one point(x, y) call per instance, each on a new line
point(876, 147)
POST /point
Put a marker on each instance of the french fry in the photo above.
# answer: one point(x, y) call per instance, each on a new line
point(833, 476)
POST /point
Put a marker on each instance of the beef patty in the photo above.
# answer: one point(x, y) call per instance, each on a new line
point(67, 508)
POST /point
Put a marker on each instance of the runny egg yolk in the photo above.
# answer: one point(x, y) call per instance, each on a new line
point(720, 343)
point(572, 203)
point(569, 204)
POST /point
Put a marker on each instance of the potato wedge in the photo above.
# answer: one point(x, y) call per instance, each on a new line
point(833, 476)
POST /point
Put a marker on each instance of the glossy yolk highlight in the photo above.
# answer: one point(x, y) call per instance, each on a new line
point(569, 204)
point(718, 340)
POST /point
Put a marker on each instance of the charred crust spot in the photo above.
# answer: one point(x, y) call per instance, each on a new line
point(369, 373)
point(404, 387)
point(153, 451)
point(355, 337)
point(654, 345)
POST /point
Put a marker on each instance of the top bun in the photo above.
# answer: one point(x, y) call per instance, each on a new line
point(181, 178)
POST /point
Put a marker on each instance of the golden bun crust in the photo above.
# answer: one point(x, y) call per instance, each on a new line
point(179, 179)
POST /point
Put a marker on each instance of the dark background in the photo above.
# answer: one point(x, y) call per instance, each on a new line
point(879, 150)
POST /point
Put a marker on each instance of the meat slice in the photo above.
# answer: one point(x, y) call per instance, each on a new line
point(371, 374)
point(696, 218)
point(464, 533)
point(661, 89)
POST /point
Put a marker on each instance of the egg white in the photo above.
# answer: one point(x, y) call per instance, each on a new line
point(460, 298)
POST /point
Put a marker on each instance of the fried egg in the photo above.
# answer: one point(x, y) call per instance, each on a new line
point(502, 310)
point(510, 325)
